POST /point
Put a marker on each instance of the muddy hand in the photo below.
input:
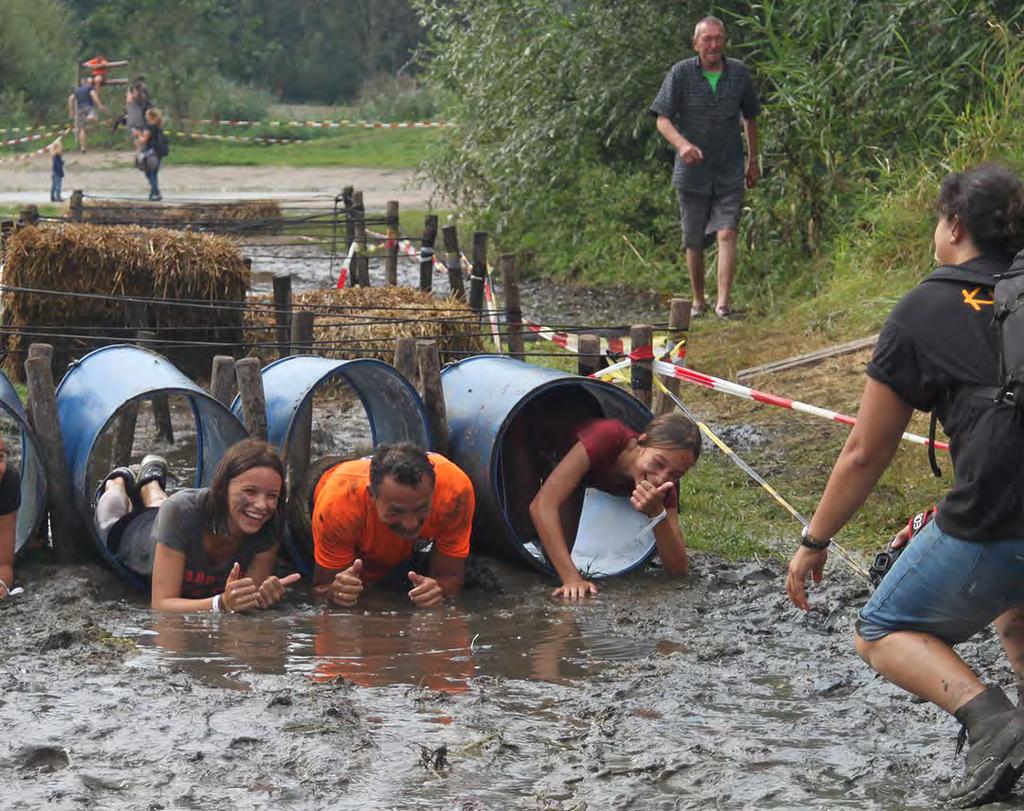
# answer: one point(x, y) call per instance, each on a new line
point(805, 561)
point(648, 499)
point(272, 589)
point(239, 592)
point(575, 590)
point(348, 585)
point(426, 592)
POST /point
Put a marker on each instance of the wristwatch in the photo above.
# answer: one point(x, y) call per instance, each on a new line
point(808, 540)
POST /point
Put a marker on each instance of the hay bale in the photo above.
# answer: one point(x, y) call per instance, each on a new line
point(237, 217)
point(363, 322)
point(120, 261)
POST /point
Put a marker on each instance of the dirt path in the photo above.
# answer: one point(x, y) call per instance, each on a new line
point(111, 174)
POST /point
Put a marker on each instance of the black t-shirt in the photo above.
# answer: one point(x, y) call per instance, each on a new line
point(936, 349)
point(10, 491)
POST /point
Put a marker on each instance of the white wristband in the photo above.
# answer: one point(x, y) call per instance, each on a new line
point(215, 608)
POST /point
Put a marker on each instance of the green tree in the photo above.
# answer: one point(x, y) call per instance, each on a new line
point(38, 45)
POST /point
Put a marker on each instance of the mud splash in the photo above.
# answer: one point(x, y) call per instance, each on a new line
point(710, 692)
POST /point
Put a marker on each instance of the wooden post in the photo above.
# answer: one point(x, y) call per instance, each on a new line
point(589, 359)
point(391, 256)
point(640, 378)
point(405, 360)
point(429, 362)
point(513, 307)
point(40, 351)
point(359, 270)
point(427, 252)
point(124, 434)
point(75, 205)
point(350, 226)
point(678, 324)
point(254, 402)
point(359, 215)
point(283, 313)
point(6, 228)
point(479, 272)
point(453, 262)
point(299, 446)
point(222, 379)
point(29, 215)
point(42, 405)
point(302, 332)
point(161, 407)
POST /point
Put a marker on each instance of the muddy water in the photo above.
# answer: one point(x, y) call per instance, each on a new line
point(708, 692)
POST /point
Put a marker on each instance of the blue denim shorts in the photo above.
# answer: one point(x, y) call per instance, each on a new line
point(946, 587)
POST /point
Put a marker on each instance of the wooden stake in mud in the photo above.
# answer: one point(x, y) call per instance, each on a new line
point(161, 407)
point(300, 443)
point(453, 262)
point(427, 252)
point(350, 226)
point(391, 255)
point(283, 313)
point(42, 406)
point(124, 434)
point(360, 271)
point(589, 359)
point(513, 306)
point(254, 402)
point(429, 362)
point(405, 360)
point(359, 215)
point(641, 370)
point(678, 325)
point(75, 205)
point(479, 273)
point(222, 379)
point(29, 215)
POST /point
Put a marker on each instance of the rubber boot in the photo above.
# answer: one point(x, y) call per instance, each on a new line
point(995, 758)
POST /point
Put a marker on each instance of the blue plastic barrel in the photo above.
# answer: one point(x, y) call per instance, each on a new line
point(98, 385)
point(33, 477)
point(485, 396)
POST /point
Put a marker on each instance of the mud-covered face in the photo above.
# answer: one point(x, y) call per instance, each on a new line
point(252, 500)
point(660, 465)
point(402, 508)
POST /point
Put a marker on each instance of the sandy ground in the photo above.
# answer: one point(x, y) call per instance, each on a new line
point(112, 174)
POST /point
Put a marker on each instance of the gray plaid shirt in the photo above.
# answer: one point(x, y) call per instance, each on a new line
point(711, 120)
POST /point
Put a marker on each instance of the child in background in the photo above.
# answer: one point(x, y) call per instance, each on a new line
point(56, 171)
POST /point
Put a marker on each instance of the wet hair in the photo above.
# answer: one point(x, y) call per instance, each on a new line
point(404, 462)
point(709, 20)
point(673, 432)
point(155, 114)
point(988, 201)
point(242, 457)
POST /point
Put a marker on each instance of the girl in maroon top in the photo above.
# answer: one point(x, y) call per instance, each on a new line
point(616, 459)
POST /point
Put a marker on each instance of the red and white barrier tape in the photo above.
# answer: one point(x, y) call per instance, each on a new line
point(6, 130)
point(203, 136)
point(29, 155)
point(28, 138)
point(328, 125)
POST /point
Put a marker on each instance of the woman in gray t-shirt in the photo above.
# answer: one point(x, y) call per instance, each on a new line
point(208, 549)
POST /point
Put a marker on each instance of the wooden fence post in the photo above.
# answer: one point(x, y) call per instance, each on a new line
point(429, 362)
point(391, 255)
point(589, 359)
point(678, 325)
point(513, 305)
point(350, 226)
point(405, 360)
point(42, 405)
point(75, 205)
point(159, 402)
point(427, 252)
point(359, 213)
point(479, 273)
point(359, 271)
point(254, 401)
point(453, 261)
point(640, 378)
point(300, 445)
point(283, 313)
point(222, 379)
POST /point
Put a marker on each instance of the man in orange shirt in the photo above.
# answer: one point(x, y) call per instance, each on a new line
point(371, 515)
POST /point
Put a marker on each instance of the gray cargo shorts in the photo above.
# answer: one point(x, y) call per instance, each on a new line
point(703, 215)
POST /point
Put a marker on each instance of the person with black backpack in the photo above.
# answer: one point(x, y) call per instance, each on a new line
point(944, 348)
point(152, 147)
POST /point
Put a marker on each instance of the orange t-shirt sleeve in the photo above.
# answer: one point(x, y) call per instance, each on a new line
point(338, 519)
point(454, 509)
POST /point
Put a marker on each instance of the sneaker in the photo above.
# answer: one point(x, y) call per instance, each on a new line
point(128, 474)
point(995, 758)
point(153, 469)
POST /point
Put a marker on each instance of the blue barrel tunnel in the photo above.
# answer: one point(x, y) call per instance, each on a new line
point(98, 386)
point(33, 478)
point(509, 423)
point(393, 408)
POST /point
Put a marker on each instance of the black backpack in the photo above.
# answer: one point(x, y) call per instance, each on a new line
point(163, 144)
point(1008, 322)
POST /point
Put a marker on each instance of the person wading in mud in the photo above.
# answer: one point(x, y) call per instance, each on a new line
point(207, 549)
point(965, 569)
point(612, 457)
point(372, 516)
point(699, 108)
point(10, 501)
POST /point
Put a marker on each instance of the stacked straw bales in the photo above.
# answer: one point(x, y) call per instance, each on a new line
point(108, 261)
point(242, 216)
point(363, 322)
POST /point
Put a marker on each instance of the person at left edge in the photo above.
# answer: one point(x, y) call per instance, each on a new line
point(10, 501)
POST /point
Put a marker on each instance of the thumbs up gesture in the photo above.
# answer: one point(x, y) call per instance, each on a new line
point(426, 592)
point(648, 499)
point(348, 585)
point(239, 592)
point(272, 589)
